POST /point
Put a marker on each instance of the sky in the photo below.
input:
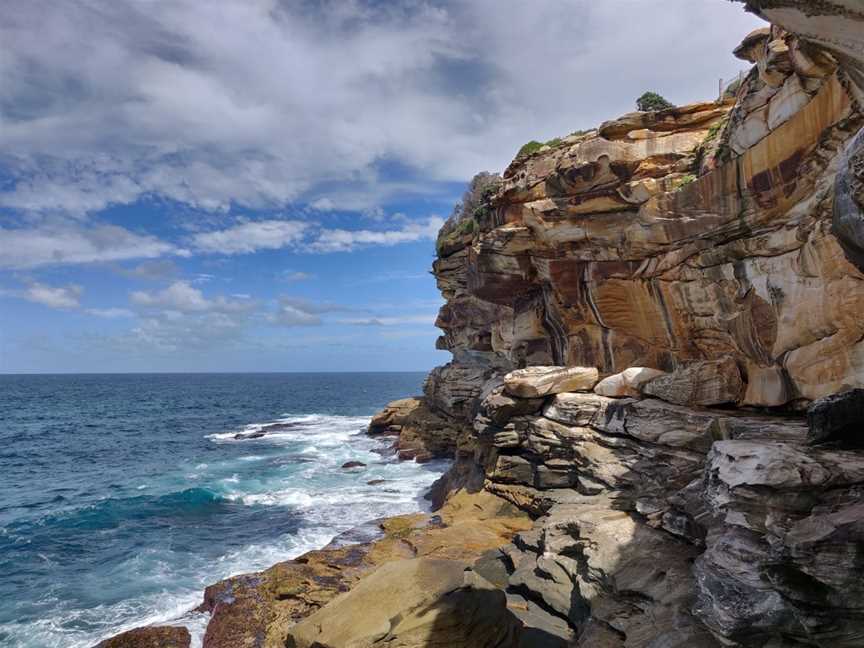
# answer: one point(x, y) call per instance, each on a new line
point(256, 185)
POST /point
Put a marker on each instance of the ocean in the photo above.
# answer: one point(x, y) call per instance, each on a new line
point(123, 496)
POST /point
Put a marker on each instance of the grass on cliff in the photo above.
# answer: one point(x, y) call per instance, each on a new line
point(533, 146)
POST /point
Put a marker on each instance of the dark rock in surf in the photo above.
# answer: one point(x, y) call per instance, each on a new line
point(150, 637)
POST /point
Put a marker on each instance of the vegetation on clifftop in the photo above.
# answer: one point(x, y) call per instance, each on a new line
point(651, 101)
point(473, 207)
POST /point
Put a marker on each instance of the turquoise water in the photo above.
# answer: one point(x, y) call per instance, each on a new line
point(122, 496)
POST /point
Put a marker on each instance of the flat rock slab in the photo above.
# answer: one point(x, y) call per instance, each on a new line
point(535, 382)
point(411, 603)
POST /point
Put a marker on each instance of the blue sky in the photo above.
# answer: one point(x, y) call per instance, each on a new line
point(256, 185)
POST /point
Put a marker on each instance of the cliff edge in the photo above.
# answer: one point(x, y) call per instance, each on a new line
point(658, 352)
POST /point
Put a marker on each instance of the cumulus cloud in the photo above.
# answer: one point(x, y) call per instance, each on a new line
point(391, 321)
point(342, 240)
point(251, 236)
point(111, 313)
point(54, 296)
point(293, 276)
point(57, 244)
point(268, 102)
point(156, 270)
point(182, 297)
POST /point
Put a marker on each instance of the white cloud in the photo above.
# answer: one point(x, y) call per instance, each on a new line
point(341, 240)
point(391, 321)
point(110, 313)
point(182, 297)
point(54, 296)
point(222, 103)
point(251, 236)
point(151, 270)
point(293, 276)
point(288, 315)
point(323, 204)
point(25, 248)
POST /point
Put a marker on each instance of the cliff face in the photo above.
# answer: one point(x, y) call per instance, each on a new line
point(720, 245)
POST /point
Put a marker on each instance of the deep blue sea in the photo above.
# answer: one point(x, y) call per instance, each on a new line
point(122, 496)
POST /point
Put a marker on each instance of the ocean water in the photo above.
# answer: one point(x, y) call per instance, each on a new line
point(122, 496)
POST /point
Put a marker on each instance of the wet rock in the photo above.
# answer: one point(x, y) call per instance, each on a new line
point(353, 464)
point(150, 637)
point(242, 436)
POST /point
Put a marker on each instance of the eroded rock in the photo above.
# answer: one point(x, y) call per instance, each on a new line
point(150, 637)
point(536, 382)
point(700, 384)
point(412, 603)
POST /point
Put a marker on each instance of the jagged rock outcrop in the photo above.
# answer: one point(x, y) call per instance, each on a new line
point(257, 610)
point(705, 264)
point(707, 260)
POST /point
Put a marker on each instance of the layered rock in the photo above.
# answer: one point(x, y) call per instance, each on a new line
point(699, 233)
point(707, 260)
point(705, 264)
point(257, 610)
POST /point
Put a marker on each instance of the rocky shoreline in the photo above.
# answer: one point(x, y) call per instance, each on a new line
point(655, 399)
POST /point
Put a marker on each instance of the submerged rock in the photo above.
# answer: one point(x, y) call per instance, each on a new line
point(353, 464)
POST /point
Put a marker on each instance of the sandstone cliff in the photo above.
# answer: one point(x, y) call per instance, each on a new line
point(706, 262)
point(657, 331)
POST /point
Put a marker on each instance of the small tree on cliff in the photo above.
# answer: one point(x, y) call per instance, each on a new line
point(652, 101)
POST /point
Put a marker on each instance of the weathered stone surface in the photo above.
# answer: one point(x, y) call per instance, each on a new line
point(412, 604)
point(536, 382)
point(256, 610)
point(499, 407)
point(628, 383)
point(150, 637)
point(700, 384)
point(421, 433)
point(839, 417)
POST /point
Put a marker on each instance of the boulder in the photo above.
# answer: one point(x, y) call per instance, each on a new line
point(412, 604)
point(628, 383)
point(838, 417)
point(500, 407)
point(707, 383)
point(353, 464)
point(536, 382)
point(150, 637)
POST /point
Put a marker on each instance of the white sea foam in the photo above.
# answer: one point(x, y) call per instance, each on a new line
point(325, 498)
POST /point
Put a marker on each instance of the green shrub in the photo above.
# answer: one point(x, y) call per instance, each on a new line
point(473, 207)
point(686, 180)
point(531, 147)
point(651, 101)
